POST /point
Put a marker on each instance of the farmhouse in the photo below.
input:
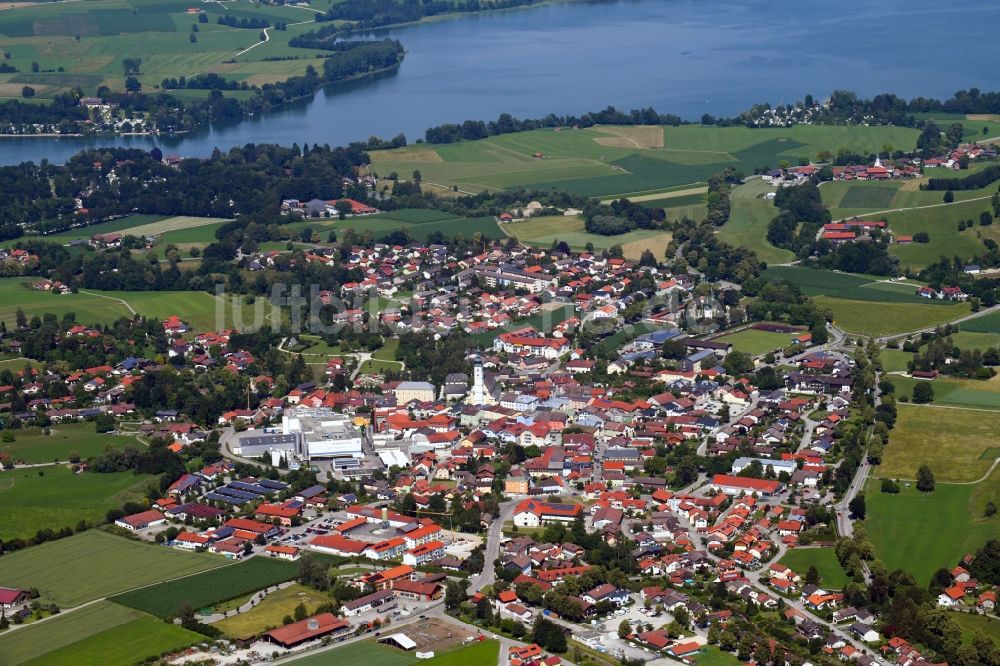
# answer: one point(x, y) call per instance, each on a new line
point(311, 628)
point(383, 600)
point(11, 598)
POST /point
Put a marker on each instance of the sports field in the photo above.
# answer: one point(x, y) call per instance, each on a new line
point(269, 613)
point(206, 589)
point(18, 647)
point(950, 441)
point(831, 574)
point(755, 342)
point(971, 393)
point(922, 532)
point(127, 643)
point(33, 446)
point(597, 162)
point(54, 497)
point(96, 564)
point(748, 219)
point(90, 40)
point(543, 231)
point(366, 652)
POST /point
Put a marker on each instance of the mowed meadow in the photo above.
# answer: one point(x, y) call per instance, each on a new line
point(83, 44)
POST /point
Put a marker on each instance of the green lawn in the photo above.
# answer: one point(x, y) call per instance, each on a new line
point(54, 497)
point(713, 656)
point(480, 652)
point(748, 220)
point(32, 446)
point(831, 574)
point(96, 564)
point(270, 612)
point(873, 318)
point(895, 360)
point(389, 351)
point(62, 630)
point(922, 532)
point(208, 588)
point(970, 393)
point(950, 441)
point(420, 223)
point(940, 223)
point(127, 643)
point(973, 624)
point(756, 343)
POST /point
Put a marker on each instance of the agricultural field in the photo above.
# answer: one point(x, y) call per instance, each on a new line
point(88, 41)
point(270, 612)
point(543, 231)
point(208, 588)
point(860, 198)
point(941, 225)
point(96, 307)
point(171, 229)
point(748, 219)
point(113, 564)
point(969, 393)
point(420, 223)
point(869, 305)
point(824, 559)
point(607, 161)
point(874, 318)
point(39, 640)
point(922, 532)
point(755, 342)
point(988, 323)
point(54, 497)
point(32, 445)
point(952, 442)
point(127, 643)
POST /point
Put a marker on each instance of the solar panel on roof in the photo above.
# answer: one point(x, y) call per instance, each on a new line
point(233, 492)
point(216, 497)
point(271, 483)
point(251, 488)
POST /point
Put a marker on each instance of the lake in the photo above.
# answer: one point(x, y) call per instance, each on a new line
point(687, 57)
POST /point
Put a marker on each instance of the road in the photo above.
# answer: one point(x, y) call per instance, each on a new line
point(493, 537)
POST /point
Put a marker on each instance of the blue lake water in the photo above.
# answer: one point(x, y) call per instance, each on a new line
point(687, 57)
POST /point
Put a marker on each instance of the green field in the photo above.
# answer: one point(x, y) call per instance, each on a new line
point(112, 564)
point(63, 630)
point(941, 225)
point(873, 318)
point(54, 497)
point(95, 307)
point(832, 575)
point(32, 446)
point(754, 342)
point(713, 656)
point(748, 219)
point(420, 223)
point(950, 441)
point(366, 652)
point(127, 643)
point(269, 613)
point(543, 231)
point(851, 286)
point(208, 588)
point(973, 624)
point(607, 161)
point(988, 323)
point(895, 360)
point(921, 533)
point(89, 41)
point(971, 393)
point(176, 229)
